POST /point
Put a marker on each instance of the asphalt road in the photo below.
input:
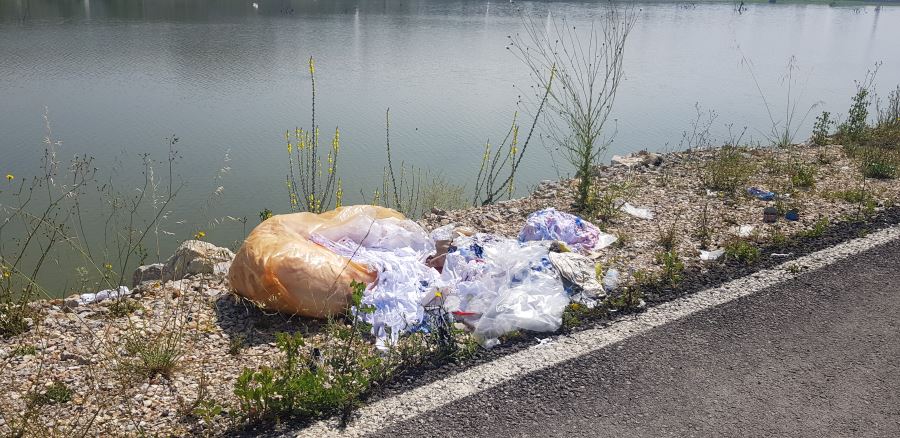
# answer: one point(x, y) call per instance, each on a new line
point(818, 356)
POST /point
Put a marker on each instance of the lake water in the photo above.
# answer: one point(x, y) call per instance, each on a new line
point(228, 78)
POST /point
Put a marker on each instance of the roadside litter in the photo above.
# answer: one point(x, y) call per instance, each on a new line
point(579, 234)
point(743, 230)
point(762, 195)
point(611, 280)
point(707, 256)
point(641, 213)
point(497, 285)
point(579, 277)
point(303, 264)
point(90, 298)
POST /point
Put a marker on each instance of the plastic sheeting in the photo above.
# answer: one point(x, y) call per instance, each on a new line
point(580, 277)
point(641, 213)
point(575, 232)
point(498, 285)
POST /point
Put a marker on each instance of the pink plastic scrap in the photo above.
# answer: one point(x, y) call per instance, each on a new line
point(575, 232)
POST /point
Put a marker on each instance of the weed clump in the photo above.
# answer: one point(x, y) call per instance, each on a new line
point(673, 267)
point(728, 171)
point(742, 251)
point(818, 228)
point(158, 355)
point(56, 393)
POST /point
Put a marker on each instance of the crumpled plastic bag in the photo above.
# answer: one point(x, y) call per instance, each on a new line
point(579, 234)
point(581, 273)
point(498, 285)
point(404, 283)
point(280, 268)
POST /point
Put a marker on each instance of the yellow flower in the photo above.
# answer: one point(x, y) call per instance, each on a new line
point(9, 176)
point(6, 274)
point(107, 266)
point(200, 235)
point(438, 294)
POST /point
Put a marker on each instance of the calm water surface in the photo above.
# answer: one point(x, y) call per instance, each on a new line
point(228, 79)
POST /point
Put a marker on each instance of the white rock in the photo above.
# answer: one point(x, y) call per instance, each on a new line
point(195, 257)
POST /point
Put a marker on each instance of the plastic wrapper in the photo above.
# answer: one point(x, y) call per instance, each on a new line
point(279, 268)
point(403, 284)
point(579, 234)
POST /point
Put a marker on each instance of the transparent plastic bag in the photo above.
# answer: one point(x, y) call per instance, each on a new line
point(500, 285)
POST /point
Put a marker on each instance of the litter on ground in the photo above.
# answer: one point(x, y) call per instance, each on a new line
point(303, 264)
point(641, 213)
point(579, 234)
point(711, 255)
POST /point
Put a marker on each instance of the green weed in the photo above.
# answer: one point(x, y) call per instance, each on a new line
point(742, 251)
point(728, 170)
point(56, 393)
point(818, 228)
point(673, 267)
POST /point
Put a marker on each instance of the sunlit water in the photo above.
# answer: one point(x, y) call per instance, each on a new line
point(228, 79)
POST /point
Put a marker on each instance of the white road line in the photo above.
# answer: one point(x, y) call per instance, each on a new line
point(384, 413)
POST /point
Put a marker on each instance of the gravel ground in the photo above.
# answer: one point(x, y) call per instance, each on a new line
point(85, 348)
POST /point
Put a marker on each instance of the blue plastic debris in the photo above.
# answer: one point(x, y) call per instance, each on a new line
point(762, 195)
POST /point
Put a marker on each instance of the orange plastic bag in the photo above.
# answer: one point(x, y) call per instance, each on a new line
point(279, 268)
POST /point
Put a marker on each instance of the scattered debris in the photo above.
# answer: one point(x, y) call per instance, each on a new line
point(577, 233)
point(762, 195)
point(579, 276)
point(707, 256)
point(641, 213)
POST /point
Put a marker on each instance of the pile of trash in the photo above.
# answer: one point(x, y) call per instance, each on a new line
point(303, 264)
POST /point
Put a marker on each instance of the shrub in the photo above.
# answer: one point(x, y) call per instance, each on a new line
point(742, 251)
point(879, 163)
point(821, 128)
point(728, 170)
point(803, 175)
point(854, 128)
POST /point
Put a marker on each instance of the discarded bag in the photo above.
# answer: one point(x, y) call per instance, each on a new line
point(498, 285)
point(577, 233)
point(581, 275)
point(280, 268)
